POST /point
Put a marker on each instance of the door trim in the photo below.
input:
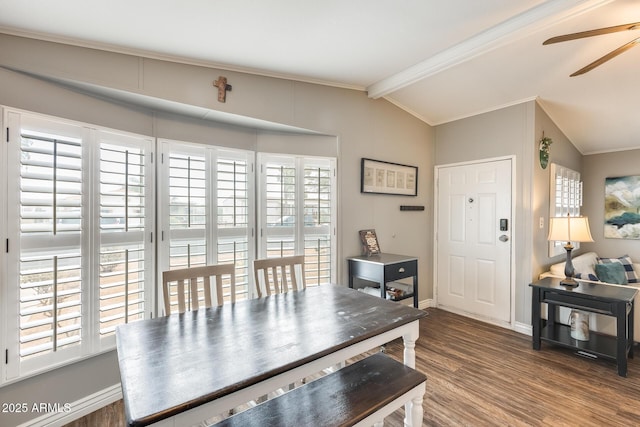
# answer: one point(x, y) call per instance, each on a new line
point(514, 236)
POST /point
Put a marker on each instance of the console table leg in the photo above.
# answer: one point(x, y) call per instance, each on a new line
point(536, 318)
point(630, 329)
point(623, 340)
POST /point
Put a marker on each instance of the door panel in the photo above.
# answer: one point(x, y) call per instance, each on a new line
point(474, 265)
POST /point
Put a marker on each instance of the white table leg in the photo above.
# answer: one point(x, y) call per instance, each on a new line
point(410, 339)
point(417, 413)
point(410, 348)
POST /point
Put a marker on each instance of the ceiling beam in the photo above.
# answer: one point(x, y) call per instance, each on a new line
point(535, 19)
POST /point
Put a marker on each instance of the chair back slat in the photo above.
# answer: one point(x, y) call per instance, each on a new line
point(278, 275)
point(187, 279)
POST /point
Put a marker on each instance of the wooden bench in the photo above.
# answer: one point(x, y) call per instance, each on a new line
point(363, 393)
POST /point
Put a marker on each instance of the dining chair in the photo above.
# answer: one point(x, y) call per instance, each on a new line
point(187, 281)
point(279, 275)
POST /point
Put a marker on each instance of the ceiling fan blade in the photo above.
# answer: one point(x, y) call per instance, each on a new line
point(607, 57)
point(591, 33)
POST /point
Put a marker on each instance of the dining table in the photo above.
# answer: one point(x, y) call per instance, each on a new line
point(181, 369)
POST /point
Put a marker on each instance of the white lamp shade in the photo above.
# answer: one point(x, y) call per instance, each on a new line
point(569, 229)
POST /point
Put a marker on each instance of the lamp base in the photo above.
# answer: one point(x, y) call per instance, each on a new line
point(568, 268)
point(569, 281)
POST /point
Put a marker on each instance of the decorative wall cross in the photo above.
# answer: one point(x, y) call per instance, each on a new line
point(223, 87)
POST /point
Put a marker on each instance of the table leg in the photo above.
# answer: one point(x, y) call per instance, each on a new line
point(621, 342)
point(351, 274)
point(552, 310)
point(536, 318)
point(410, 345)
point(410, 339)
point(417, 413)
point(630, 329)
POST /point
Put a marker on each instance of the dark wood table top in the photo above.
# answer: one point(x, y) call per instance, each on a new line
point(600, 291)
point(174, 363)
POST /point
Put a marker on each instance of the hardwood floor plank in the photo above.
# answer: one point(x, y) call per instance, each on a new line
point(484, 375)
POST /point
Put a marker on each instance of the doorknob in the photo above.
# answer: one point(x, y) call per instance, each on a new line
point(503, 238)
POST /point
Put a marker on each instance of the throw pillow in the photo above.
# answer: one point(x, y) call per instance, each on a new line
point(585, 264)
point(626, 263)
point(612, 272)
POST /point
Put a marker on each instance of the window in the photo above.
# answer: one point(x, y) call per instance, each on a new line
point(297, 212)
point(80, 212)
point(565, 198)
point(80, 259)
point(126, 259)
point(206, 193)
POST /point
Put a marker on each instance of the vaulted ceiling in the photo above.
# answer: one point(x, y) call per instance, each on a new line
point(439, 60)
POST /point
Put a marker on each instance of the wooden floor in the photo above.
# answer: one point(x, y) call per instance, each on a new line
point(483, 375)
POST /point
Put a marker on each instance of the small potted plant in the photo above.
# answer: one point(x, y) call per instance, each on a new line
point(545, 143)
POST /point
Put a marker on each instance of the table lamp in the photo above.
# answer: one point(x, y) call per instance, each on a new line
point(569, 229)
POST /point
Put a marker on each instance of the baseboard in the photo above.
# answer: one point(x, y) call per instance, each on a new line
point(519, 327)
point(523, 328)
point(78, 409)
point(422, 304)
point(426, 303)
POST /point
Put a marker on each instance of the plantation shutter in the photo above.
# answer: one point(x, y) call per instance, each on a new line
point(80, 258)
point(50, 235)
point(126, 255)
point(207, 193)
point(565, 198)
point(318, 220)
point(45, 293)
point(234, 183)
point(297, 212)
point(281, 204)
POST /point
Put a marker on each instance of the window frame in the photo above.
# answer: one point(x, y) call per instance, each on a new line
point(300, 229)
point(211, 232)
point(127, 140)
point(89, 240)
point(92, 239)
point(570, 201)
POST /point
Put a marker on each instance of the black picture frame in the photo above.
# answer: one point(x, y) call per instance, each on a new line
point(380, 177)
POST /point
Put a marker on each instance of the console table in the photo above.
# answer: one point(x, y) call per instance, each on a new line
point(616, 301)
point(384, 268)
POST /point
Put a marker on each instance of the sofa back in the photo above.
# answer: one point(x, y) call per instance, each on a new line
point(583, 264)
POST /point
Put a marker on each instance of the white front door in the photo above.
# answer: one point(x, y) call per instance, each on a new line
point(473, 245)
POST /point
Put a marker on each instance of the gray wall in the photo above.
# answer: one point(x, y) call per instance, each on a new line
point(596, 168)
point(564, 153)
point(505, 132)
point(359, 126)
point(516, 131)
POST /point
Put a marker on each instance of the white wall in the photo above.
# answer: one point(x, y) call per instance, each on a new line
point(357, 127)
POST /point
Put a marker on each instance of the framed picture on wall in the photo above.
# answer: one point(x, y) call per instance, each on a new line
point(379, 177)
point(622, 207)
